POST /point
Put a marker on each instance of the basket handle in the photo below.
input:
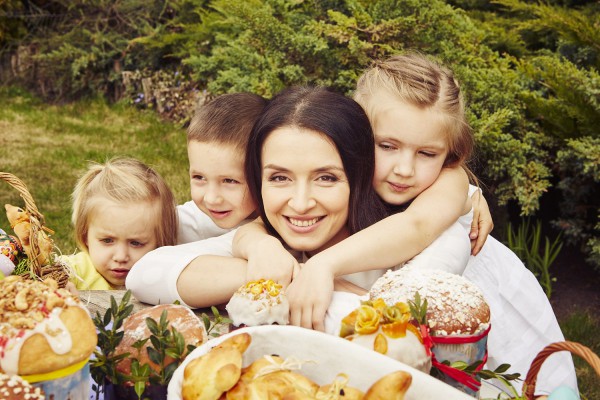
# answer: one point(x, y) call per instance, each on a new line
point(37, 219)
point(25, 195)
point(576, 348)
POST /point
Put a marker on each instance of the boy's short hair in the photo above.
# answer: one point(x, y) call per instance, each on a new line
point(123, 180)
point(226, 119)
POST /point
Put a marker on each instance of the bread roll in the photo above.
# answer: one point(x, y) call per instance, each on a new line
point(181, 318)
point(390, 387)
point(332, 392)
point(274, 385)
point(209, 376)
point(42, 328)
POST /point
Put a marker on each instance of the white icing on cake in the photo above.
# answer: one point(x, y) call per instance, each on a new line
point(455, 305)
point(259, 303)
point(408, 349)
point(15, 387)
point(19, 322)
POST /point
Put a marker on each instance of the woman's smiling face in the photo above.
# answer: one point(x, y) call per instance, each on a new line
point(304, 189)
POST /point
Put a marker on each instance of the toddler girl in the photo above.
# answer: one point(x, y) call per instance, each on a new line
point(121, 210)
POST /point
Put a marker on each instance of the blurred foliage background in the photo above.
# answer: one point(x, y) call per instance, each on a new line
point(529, 70)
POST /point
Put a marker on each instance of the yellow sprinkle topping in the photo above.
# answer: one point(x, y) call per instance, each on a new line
point(267, 286)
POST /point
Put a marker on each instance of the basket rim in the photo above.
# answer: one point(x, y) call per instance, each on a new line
point(575, 348)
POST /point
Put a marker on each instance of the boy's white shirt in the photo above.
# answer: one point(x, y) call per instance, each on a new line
point(195, 225)
point(153, 279)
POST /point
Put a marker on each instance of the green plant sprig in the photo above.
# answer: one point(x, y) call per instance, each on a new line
point(499, 373)
point(418, 309)
point(167, 350)
point(218, 319)
point(167, 347)
point(104, 364)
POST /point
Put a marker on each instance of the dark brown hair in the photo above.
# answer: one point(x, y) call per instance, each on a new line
point(342, 121)
point(227, 119)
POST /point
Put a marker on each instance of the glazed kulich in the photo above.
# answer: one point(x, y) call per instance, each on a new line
point(455, 306)
point(13, 387)
point(135, 328)
point(388, 330)
point(42, 328)
point(261, 302)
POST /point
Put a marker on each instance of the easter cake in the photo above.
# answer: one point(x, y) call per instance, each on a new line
point(13, 387)
point(455, 306)
point(135, 328)
point(261, 302)
point(43, 328)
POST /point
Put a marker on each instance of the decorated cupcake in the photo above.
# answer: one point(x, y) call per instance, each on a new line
point(261, 302)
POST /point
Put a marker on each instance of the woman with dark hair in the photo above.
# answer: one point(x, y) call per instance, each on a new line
point(341, 122)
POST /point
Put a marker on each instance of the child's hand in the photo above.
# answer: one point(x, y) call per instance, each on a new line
point(482, 223)
point(309, 296)
point(270, 260)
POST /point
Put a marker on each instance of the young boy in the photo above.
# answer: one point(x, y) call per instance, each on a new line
point(216, 141)
point(216, 144)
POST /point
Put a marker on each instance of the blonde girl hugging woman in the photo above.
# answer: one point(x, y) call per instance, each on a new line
point(419, 123)
point(121, 210)
point(422, 143)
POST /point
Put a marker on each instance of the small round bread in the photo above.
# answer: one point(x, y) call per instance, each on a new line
point(210, 375)
point(455, 306)
point(13, 387)
point(261, 302)
point(179, 317)
point(42, 328)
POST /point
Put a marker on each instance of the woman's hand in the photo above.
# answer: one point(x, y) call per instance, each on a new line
point(270, 260)
point(482, 223)
point(309, 296)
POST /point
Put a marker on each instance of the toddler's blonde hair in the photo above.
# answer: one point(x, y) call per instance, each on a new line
point(417, 80)
point(124, 180)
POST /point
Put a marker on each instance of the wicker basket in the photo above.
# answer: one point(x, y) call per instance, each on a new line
point(575, 348)
point(36, 270)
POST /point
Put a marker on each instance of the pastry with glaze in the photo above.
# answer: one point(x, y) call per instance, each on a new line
point(43, 328)
point(261, 302)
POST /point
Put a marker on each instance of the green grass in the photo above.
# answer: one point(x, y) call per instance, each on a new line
point(48, 147)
